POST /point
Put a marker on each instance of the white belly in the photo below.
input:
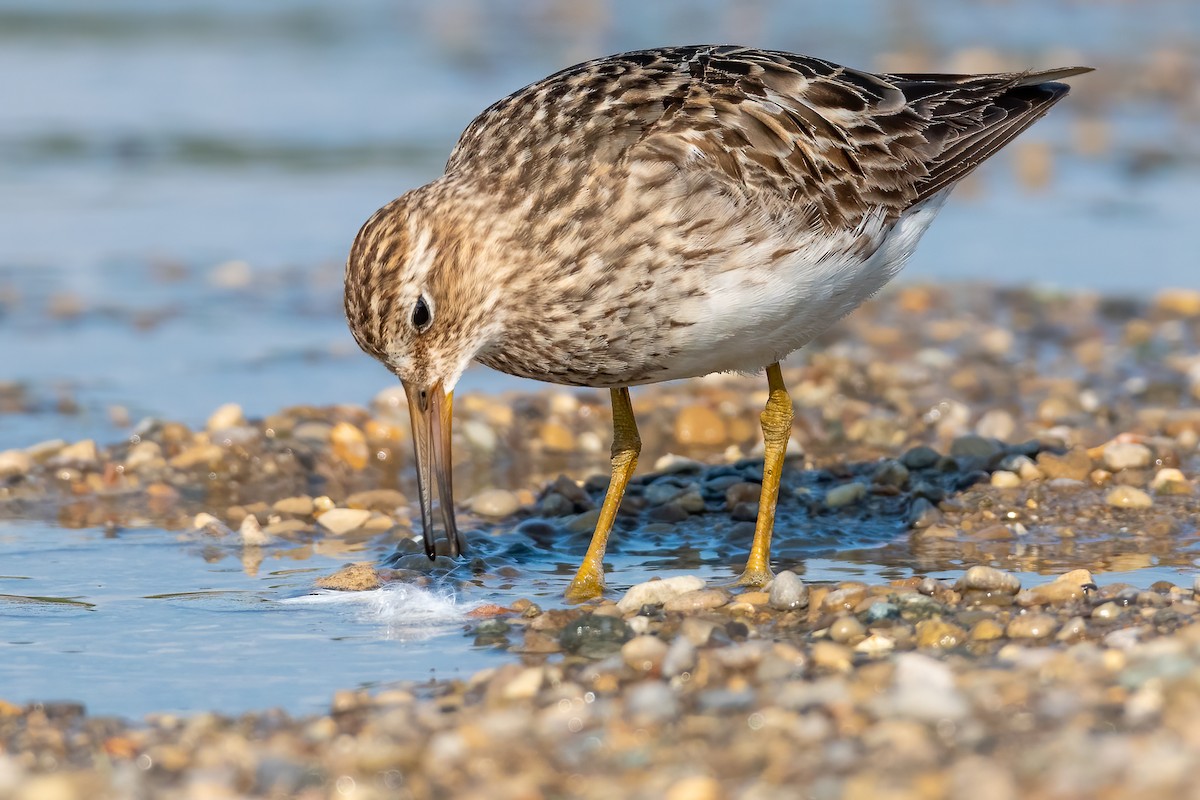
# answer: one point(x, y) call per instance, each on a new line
point(749, 320)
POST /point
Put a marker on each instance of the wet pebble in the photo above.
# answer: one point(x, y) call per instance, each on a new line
point(989, 579)
point(594, 636)
point(699, 600)
point(846, 630)
point(787, 592)
point(495, 503)
point(339, 521)
point(1033, 625)
point(657, 592)
point(699, 425)
point(1127, 455)
point(1128, 497)
point(844, 495)
point(644, 654)
point(226, 416)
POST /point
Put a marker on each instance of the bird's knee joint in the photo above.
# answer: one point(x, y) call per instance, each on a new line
point(777, 417)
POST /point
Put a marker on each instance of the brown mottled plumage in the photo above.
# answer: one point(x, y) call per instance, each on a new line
point(668, 213)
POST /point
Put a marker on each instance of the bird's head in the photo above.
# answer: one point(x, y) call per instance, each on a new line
point(412, 303)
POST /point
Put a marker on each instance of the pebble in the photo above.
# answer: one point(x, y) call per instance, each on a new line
point(987, 630)
point(679, 658)
point(80, 455)
point(832, 656)
point(358, 577)
point(227, 416)
point(1169, 480)
point(939, 634)
point(300, 506)
point(844, 495)
point(494, 503)
point(349, 445)
point(14, 462)
point(252, 533)
point(1127, 455)
point(645, 654)
point(1034, 625)
point(1073, 585)
point(920, 458)
point(556, 437)
point(657, 592)
point(1074, 465)
point(594, 636)
point(989, 579)
point(1003, 479)
point(1128, 497)
point(846, 630)
point(699, 600)
point(1107, 611)
point(695, 787)
point(699, 425)
point(787, 592)
point(976, 447)
point(339, 521)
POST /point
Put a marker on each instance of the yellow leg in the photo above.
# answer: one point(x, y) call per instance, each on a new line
point(777, 428)
point(589, 580)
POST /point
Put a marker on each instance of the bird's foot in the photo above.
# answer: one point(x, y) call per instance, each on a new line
point(757, 577)
point(587, 585)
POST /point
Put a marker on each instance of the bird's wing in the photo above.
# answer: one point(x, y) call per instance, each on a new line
point(840, 143)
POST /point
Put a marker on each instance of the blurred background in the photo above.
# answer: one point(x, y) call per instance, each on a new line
point(180, 182)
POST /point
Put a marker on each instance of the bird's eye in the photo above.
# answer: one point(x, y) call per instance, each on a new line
point(422, 316)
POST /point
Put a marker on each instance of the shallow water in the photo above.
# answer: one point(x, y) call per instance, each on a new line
point(160, 143)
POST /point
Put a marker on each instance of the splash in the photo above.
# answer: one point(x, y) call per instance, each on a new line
point(405, 612)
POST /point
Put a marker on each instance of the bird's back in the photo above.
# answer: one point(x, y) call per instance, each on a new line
point(836, 143)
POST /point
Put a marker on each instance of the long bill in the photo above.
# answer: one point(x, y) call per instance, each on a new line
point(430, 411)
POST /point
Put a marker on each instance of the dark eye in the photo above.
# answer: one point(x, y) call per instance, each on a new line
point(422, 316)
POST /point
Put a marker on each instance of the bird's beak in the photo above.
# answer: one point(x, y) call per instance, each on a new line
point(430, 410)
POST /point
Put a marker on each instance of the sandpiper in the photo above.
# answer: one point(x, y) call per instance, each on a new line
point(665, 214)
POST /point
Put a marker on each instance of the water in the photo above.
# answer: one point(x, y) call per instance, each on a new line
point(151, 143)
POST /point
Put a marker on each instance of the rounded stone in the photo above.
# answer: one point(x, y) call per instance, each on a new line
point(1128, 497)
point(1003, 479)
point(14, 462)
point(343, 520)
point(701, 426)
point(845, 495)
point(349, 445)
point(846, 630)
point(657, 592)
point(1031, 626)
point(227, 416)
point(787, 592)
point(939, 634)
point(644, 654)
point(989, 579)
point(1127, 455)
point(495, 503)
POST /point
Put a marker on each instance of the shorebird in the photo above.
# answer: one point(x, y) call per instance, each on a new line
point(664, 214)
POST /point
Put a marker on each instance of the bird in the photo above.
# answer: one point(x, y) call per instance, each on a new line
point(658, 215)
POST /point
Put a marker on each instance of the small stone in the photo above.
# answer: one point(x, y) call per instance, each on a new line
point(385, 501)
point(1003, 479)
point(524, 685)
point(594, 635)
point(657, 592)
point(989, 579)
point(846, 630)
point(343, 520)
point(80, 455)
point(976, 447)
point(890, 473)
point(787, 592)
point(699, 425)
point(349, 445)
point(1107, 611)
point(920, 457)
point(695, 787)
point(300, 506)
point(832, 656)
point(1073, 585)
point(198, 455)
point(699, 600)
point(1127, 455)
point(1178, 302)
point(996, 424)
point(1168, 480)
point(680, 657)
point(252, 533)
point(924, 688)
point(1031, 626)
point(1128, 497)
point(845, 495)
point(142, 455)
point(1074, 465)
point(939, 634)
point(494, 503)
point(14, 463)
point(227, 416)
point(209, 525)
point(644, 654)
point(359, 577)
point(556, 437)
point(986, 630)
point(875, 644)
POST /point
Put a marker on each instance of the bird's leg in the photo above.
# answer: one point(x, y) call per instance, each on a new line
point(589, 580)
point(777, 427)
